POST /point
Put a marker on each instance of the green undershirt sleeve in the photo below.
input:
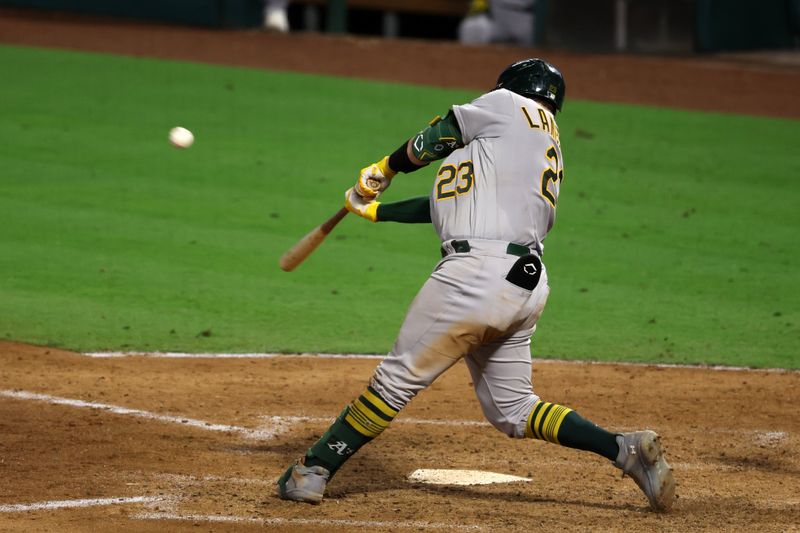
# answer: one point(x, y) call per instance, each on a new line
point(411, 211)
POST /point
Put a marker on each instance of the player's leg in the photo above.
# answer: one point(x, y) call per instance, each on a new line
point(431, 340)
point(501, 368)
point(360, 422)
point(501, 373)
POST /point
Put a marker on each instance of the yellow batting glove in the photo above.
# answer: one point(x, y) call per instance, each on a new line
point(366, 208)
point(374, 179)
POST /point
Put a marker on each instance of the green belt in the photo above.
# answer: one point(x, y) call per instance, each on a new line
point(462, 247)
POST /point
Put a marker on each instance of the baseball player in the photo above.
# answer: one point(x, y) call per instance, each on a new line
point(492, 203)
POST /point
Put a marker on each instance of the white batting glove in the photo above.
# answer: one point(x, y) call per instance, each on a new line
point(374, 179)
point(363, 207)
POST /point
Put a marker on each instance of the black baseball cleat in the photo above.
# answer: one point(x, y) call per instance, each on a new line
point(642, 458)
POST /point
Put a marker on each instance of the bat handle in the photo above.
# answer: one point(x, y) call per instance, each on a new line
point(329, 224)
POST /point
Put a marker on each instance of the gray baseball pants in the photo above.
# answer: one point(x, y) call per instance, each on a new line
point(468, 309)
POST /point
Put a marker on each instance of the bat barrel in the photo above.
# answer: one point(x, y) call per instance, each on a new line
point(305, 246)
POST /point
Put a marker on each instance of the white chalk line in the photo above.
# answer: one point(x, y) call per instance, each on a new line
point(275, 425)
point(416, 524)
point(185, 479)
point(186, 355)
point(257, 434)
point(290, 420)
point(770, 438)
point(71, 504)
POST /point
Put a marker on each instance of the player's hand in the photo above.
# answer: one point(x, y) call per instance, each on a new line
point(374, 179)
point(367, 208)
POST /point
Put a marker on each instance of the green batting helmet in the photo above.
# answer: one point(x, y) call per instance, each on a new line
point(534, 78)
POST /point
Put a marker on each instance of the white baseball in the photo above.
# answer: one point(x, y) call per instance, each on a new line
point(181, 137)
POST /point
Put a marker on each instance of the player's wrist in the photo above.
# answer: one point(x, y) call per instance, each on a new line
point(371, 211)
point(386, 168)
point(399, 161)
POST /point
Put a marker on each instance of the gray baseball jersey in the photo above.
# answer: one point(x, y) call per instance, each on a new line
point(500, 188)
point(503, 185)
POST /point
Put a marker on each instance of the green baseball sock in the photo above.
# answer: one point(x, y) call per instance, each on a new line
point(577, 432)
point(359, 423)
point(336, 445)
point(561, 425)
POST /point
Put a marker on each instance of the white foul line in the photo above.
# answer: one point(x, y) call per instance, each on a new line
point(366, 524)
point(69, 504)
point(184, 355)
point(183, 421)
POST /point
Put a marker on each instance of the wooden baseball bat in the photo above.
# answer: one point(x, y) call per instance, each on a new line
point(303, 248)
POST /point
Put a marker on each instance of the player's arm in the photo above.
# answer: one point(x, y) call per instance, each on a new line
point(412, 211)
point(437, 141)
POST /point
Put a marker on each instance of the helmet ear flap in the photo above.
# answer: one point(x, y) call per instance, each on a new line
point(534, 78)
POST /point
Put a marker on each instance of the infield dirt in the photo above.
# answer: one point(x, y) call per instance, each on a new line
point(732, 435)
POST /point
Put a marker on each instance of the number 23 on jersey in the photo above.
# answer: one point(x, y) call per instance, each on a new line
point(452, 180)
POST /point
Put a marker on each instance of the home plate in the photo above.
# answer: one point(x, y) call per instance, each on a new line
point(461, 477)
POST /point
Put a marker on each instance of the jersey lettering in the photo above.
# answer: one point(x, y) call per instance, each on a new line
point(530, 120)
point(544, 124)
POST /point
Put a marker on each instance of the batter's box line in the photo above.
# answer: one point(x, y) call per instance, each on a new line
point(256, 434)
point(188, 479)
point(52, 505)
point(277, 425)
point(278, 420)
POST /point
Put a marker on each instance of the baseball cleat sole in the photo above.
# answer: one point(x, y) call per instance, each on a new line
point(653, 455)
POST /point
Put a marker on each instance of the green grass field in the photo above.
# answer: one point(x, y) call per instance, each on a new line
point(676, 238)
